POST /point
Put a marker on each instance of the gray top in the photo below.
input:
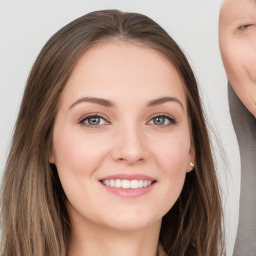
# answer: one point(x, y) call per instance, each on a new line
point(245, 128)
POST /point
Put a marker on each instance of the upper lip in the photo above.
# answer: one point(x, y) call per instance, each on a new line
point(126, 176)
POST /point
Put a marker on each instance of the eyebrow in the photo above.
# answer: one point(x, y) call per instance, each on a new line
point(99, 101)
point(107, 103)
point(163, 100)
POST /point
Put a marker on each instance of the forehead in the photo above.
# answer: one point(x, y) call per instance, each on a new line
point(234, 10)
point(121, 67)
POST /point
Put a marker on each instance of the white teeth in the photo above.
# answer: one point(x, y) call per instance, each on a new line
point(112, 183)
point(118, 183)
point(140, 183)
point(127, 183)
point(134, 184)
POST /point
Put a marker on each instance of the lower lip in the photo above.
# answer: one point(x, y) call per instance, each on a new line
point(129, 192)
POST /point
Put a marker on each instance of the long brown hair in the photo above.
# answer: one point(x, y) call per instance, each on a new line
point(35, 220)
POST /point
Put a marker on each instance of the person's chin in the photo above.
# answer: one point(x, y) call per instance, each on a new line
point(252, 107)
point(254, 111)
point(132, 223)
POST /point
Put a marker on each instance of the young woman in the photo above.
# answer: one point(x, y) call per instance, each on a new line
point(110, 154)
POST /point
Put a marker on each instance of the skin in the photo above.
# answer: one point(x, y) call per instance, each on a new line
point(126, 141)
point(237, 38)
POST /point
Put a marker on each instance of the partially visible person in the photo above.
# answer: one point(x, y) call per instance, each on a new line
point(237, 38)
point(238, 48)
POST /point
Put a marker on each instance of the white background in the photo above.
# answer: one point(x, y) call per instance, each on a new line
point(25, 26)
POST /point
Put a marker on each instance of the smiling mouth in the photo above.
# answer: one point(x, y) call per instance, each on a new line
point(127, 184)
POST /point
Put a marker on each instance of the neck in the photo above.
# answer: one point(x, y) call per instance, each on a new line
point(94, 240)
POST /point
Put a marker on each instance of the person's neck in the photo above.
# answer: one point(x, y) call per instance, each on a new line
point(93, 240)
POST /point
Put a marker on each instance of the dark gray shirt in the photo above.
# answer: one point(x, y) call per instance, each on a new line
point(245, 128)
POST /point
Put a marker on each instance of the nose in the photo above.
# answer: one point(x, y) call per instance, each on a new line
point(129, 146)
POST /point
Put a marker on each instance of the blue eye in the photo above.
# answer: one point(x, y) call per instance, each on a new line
point(162, 120)
point(93, 120)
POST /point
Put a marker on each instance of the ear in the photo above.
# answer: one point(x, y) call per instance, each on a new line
point(191, 159)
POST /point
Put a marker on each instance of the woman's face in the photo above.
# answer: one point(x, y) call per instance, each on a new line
point(121, 140)
point(237, 36)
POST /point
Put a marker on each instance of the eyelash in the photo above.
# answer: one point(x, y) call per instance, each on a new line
point(82, 121)
point(243, 27)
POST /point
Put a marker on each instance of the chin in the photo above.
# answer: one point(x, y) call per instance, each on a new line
point(132, 222)
point(254, 111)
point(251, 106)
point(131, 225)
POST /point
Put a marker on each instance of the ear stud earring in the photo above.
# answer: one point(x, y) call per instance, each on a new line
point(192, 164)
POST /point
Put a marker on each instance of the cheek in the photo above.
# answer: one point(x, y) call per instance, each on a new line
point(231, 52)
point(172, 156)
point(231, 62)
point(69, 154)
point(77, 158)
point(251, 66)
point(246, 61)
point(76, 154)
point(239, 58)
